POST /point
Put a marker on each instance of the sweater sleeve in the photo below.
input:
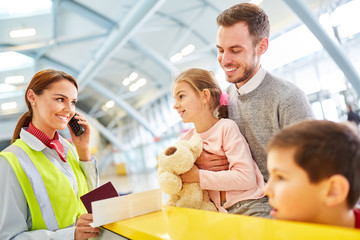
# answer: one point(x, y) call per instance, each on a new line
point(294, 107)
point(241, 173)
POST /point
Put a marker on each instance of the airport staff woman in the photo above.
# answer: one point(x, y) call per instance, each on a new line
point(42, 175)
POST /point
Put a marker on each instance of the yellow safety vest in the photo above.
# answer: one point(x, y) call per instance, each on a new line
point(52, 201)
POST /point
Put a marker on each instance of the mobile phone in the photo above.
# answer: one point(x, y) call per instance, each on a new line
point(77, 128)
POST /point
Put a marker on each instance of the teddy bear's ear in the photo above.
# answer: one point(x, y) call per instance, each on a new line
point(196, 144)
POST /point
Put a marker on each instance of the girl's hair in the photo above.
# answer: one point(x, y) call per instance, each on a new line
point(40, 81)
point(201, 79)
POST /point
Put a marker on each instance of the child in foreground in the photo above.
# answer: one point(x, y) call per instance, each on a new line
point(239, 189)
point(314, 171)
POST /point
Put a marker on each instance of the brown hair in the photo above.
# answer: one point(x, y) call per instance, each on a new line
point(255, 18)
point(40, 81)
point(323, 149)
point(201, 79)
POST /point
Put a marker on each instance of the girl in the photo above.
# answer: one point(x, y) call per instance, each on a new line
point(240, 188)
point(42, 176)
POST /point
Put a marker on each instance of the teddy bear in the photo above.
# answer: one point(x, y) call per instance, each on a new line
point(178, 159)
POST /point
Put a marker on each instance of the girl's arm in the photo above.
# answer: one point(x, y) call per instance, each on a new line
point(241, 174)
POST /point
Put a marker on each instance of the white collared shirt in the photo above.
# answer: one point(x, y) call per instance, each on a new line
point(253, 83)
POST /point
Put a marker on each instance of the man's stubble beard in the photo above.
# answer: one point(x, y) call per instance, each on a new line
point(247, 73)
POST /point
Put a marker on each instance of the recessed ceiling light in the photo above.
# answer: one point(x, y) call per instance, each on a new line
point(15, 79)
point(25, 32)
point(13, 60)
point(257, 2)
point(187, 50)
point(7, 87)
point(133, 76)
point(110, 104)
point(141, 82)
point(176, 57)
point(8, 105)
point(126, 81)
point(133, 87)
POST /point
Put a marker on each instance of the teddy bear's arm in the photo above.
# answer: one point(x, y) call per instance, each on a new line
point(170, 183)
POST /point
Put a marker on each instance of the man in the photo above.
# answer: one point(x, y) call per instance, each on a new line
point(260, 103)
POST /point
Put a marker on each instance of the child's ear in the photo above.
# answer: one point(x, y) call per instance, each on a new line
point(206, 95)
point(337, 190)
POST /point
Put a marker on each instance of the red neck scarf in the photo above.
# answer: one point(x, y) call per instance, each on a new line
point(51, 143)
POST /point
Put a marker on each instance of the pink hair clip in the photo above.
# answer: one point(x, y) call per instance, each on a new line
point(224, 99)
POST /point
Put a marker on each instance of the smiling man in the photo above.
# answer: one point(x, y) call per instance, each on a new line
point(260, 103)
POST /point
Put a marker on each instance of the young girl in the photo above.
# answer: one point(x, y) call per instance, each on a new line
point(240, 188)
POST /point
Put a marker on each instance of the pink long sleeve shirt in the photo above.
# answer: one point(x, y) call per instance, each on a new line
point(243, 180)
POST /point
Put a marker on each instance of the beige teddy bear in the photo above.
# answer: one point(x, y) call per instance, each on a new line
point(176, 160)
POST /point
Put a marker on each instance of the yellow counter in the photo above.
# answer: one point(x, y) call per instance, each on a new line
point(182, 223)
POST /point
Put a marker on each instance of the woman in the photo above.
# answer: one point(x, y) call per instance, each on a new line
point(42, 176)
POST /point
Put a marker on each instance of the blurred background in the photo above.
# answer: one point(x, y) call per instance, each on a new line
point(125, 54)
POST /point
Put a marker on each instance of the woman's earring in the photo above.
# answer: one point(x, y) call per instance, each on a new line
point(33, 103)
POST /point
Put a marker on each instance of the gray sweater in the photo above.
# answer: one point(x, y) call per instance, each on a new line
point(261, 113)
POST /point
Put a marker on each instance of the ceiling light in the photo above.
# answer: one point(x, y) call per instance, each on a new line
point(7, 87)
point(257, 2)
point(13, 60)
point(133, 87)
point(26, 32)
point(110, 104)
point(126, 81)
point(14, 79)
point(141, 82)
point(8, 105)
point(187, 50)
point(133, 76)
point(176, 57)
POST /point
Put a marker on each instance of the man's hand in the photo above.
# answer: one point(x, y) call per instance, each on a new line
point(212, 162)
point(83, 230)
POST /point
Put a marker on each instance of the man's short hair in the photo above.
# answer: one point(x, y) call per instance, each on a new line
point(252, 15)
point(323, 149)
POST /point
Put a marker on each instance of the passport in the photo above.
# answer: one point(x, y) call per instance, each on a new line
point(105, 191)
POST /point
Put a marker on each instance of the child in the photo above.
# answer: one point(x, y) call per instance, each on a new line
point(239, 189)
point(314, 171)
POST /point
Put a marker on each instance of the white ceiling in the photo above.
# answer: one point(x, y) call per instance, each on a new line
point(102, 42)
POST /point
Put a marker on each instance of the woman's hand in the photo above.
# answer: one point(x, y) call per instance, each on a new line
point(212, 162)
point(82, 142)
point(191, 176)
point(83, 230)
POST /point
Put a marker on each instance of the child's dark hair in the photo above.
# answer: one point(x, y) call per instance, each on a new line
point(323, 149)
point(201, 79)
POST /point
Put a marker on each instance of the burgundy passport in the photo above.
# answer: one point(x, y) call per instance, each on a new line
point(105, 191)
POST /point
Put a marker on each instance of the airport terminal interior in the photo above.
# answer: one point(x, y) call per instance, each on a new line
point(125, 55)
